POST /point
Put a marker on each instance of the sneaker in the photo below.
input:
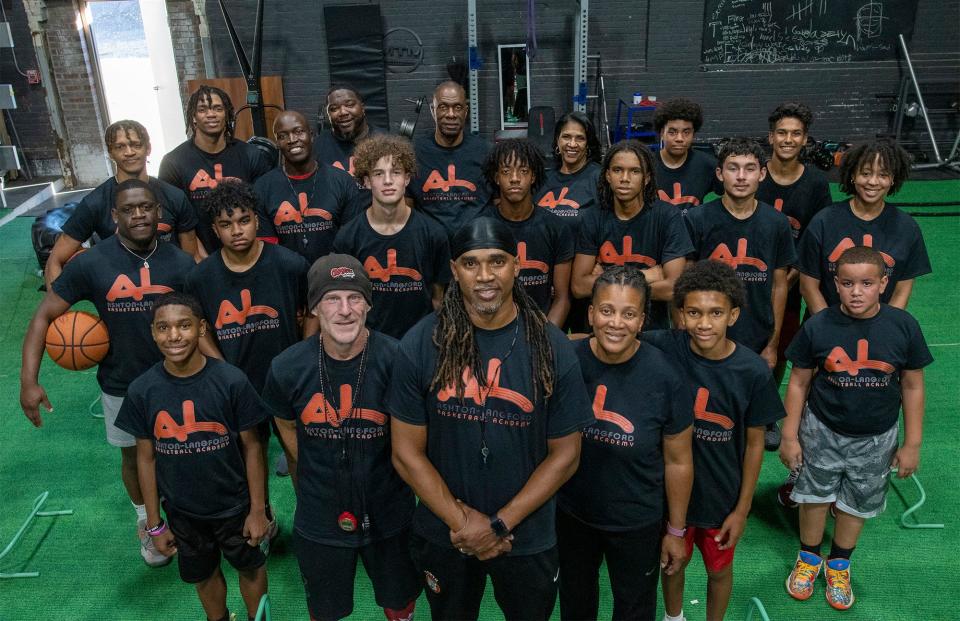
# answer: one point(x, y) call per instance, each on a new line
point(771, 437)
point(151, 556)
point(273, 531)
point(839, 591)
point(801, 580)
point(833, 510)
point(784, 491)
point(281, 467)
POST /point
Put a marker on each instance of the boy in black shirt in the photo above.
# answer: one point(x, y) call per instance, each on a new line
point(449, 186)
point(348, 126)
point(329, 396)
point(487, 404)
point(735, 397)
point(128, 144)
point(210, 156)
point(631, 227)
point(405, 253)
point(854, 365)
point(121, 276)
point(303, 204)
point(544, 244)
point(684, 174)
point(192, 414)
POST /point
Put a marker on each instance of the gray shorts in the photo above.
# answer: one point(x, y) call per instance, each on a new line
point(853, 472)
point(111, 408)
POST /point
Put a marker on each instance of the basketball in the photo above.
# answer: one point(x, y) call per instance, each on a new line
point(77, 340)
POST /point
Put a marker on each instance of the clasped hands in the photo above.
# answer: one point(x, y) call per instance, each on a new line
point(476, 537)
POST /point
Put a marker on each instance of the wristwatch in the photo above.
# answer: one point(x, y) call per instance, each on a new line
point(499, 528)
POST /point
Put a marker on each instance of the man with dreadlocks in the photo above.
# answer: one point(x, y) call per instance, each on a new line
point(210, 155)
point(487, 404)
point(544, 243)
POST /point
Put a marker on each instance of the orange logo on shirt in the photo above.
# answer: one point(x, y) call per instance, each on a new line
point(491, 390)
point(847, 243)
point(165, 427)
point(124, 287)
point(383, 274)
point(794, 223)
point(700, 411)
point(436, 182)
point(609, 254)
point(838, 360)
point(203, 179)
point(530, 264)
point(339, 164)
point(678, 198)
point(550, 202)
point(319, 411)
point(722, 253)
point(288, 213)
point(229, 313)
point(606, 415)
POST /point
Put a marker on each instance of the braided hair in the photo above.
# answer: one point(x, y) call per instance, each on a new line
point(520, 151)
point(456, 342)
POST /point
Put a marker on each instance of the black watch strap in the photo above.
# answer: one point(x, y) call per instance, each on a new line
point(499, 528)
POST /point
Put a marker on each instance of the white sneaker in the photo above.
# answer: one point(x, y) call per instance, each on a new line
point(151, 556)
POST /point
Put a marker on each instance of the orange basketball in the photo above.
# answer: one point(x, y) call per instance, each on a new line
point(77, 340)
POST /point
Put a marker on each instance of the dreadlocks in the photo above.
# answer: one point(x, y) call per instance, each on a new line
point(456, 342)
point(514, 151)
point(645, 157)
point(205, 94)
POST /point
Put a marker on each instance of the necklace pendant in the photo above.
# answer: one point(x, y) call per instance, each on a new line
point(484, 453)
point(146, 264)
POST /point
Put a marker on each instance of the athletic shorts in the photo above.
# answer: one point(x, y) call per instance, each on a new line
point(525, 587)
point(714, 559)
point(852, 471)
point(115, 436)
point(200, 542)
point(328, 574)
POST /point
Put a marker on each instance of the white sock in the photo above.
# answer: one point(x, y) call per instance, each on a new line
point(667, 617)
point(141, 512)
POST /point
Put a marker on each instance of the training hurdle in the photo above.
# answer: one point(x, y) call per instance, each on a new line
point(35, 513)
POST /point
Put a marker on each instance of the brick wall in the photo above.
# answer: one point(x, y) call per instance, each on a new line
point(187, 51)
point(652, 46)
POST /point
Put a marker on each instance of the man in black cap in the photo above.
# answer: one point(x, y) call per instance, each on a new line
point(329, 396)
point(487, 402)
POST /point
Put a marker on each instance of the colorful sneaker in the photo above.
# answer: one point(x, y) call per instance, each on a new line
point(839, 591)
point(801, 580)
point(151, 556)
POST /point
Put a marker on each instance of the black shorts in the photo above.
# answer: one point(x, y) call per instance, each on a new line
point(200, 542)
point(525, 587)
point(328, 574)
point(633, 563)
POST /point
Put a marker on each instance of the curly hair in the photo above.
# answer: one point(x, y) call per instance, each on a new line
point(126, 126)
point(710, 275)
point(891, 157)
point(514, 151)
point(678, 109)
point(205, 94)
point(594, 150)
point(791, 110)
point(741, 146)
point(229, 195)
point(369, 151)
point(605, 192)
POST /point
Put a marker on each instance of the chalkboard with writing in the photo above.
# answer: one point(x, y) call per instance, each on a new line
point(804, 31)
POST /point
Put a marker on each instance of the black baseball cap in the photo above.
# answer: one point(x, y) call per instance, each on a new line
point(337, 272)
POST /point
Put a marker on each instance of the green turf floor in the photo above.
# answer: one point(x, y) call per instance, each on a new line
point(90, 567)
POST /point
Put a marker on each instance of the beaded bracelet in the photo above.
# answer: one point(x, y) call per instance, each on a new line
point(157, 530)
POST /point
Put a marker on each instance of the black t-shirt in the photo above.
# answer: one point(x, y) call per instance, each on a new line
point(330, 150)
point(729, 396)
point(93, 213)
point(654, 236)
point(123, 290)
point(893, 233)
point(755, 248)
point(515, 428)
point(253, 314)
point(568, 195)
point(450, 186)
point(543, 241)
point(343, 440)
point(620, 483)
point(197, 172)
point(305, 213)
point(195, 424)
point(402, 267)
point(687, 185)
point(856, 389)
